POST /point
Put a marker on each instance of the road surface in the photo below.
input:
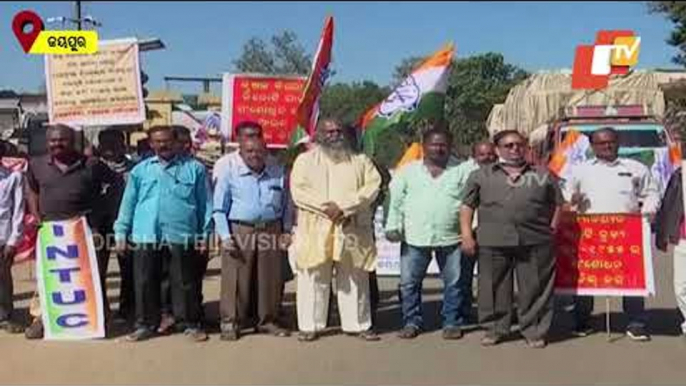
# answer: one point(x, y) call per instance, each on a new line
point(339, 359)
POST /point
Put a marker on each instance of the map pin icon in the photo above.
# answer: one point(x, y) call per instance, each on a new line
point(20, 21)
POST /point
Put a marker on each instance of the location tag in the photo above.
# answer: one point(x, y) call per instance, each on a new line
point(20, 21)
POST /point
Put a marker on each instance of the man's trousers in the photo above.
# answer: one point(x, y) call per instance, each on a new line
point(256, 262)
point(535, 269)
point(6, 288)
point(147, 266)
point(352, 293)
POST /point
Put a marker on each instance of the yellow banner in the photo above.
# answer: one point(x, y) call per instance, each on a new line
point(65, 42)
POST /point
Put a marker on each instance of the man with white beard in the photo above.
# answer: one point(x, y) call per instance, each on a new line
point(333, 190)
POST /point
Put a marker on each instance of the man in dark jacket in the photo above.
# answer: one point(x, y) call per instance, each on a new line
point(669, 229)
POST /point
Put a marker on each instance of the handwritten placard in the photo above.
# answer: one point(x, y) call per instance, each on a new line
point(268, 100)
point(604, 254)
point(98, 89)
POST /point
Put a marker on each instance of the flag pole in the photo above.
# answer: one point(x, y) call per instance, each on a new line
point(607, 318)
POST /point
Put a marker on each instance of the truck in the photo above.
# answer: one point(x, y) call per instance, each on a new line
point(545, 109)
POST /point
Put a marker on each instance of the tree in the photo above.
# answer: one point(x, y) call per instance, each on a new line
point(675, 11)
point(348, 102)
point(476, 84)
point(286, 57)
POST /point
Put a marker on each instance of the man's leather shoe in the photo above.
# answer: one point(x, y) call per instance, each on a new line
point(490, 340)
point(369, 336)
point(230, 332)
point(307, 336)
point(11, 327)
point(35, 330)
point(409, 332)
point(140, 334)
point(273, 329)
point(452, 333)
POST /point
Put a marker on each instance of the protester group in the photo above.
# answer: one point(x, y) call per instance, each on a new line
point(496, 211)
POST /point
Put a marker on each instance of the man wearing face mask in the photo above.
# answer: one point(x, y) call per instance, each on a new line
point(333, 189)
point(518, 206)
point(610, 184)
point(166, 211)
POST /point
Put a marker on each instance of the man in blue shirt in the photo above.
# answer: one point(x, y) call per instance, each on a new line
point(166, 211)
point(250, 201)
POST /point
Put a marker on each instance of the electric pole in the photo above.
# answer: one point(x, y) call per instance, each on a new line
point(77, 14)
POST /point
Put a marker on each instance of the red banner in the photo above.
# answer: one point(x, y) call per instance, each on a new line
point(270, 101)
point(604, 254)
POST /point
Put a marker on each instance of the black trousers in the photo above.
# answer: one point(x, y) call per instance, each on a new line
point(104, 234)
point(183, 282)
point(201, 265)
point(6, 288)
point(535, 269)
point(102, 254)
point(202, 261)
point(127, 295)
point(165, 287)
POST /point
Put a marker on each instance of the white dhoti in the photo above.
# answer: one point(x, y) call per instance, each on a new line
point(352, 293)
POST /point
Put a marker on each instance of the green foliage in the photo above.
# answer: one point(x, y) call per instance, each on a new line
point(286, 56)
point(476, 84)
point(349, 101)
point(675, 11)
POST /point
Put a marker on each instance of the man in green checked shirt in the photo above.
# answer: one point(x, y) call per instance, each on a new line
point(424, 213)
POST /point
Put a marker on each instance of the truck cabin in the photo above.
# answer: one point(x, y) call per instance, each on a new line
point(637, 130)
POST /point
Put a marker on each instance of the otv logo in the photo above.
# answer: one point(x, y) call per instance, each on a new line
point(613, 53)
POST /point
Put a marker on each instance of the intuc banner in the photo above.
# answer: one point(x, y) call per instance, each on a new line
point(604, 255)
point(68, 281)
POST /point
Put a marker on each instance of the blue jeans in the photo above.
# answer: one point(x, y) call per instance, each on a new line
point(413, 264)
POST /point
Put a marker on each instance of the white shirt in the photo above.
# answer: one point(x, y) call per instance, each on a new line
point(11, 207)
point(612, 187)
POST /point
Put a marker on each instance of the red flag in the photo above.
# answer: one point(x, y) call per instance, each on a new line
point(309, 102)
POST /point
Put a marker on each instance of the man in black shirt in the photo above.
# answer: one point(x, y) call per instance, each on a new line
point(66, 184)
point(112, 152)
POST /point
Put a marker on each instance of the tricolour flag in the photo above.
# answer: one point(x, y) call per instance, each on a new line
point(420, 96)
point(666, 161)
point(308, 109)
point(568, 153)
point(413, 153)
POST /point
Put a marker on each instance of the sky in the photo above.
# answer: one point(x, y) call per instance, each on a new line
point(370, 38)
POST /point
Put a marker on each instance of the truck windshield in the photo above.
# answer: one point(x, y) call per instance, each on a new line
point(629, 135)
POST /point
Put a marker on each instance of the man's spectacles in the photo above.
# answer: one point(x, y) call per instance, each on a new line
point(512, 145)
point(603, 143)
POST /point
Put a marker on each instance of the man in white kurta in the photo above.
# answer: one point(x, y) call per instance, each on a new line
point(333, 190)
